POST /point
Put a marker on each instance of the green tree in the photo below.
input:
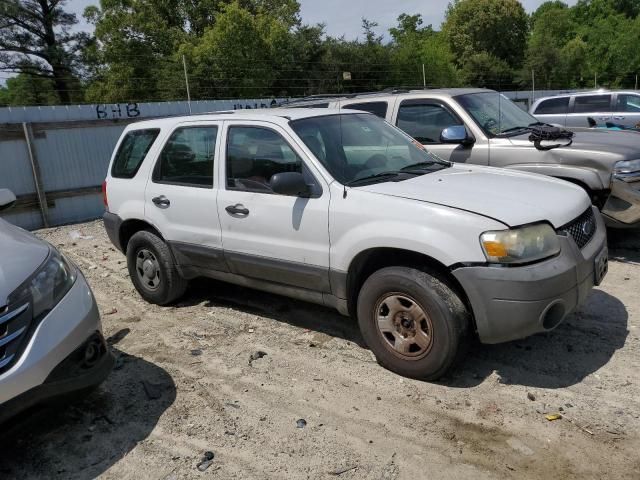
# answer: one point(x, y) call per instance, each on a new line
point(36, 40)
point(495, 27)
point(26, 89)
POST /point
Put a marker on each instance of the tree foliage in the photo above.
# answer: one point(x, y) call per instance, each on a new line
point(256, 48)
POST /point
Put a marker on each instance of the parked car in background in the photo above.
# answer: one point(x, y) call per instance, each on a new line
point(574, 109)
point(344, 210)
point(50, 334)
point(483, 127)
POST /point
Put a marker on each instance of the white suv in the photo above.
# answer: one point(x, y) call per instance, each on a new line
point(342, 209)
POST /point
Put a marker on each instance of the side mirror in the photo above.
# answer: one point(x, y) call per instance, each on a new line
point(291, 184)
point(456, 134)
point(7, 198)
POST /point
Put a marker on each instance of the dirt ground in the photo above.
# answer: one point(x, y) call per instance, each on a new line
point(184, 385)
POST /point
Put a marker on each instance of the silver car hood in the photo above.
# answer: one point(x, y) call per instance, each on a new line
point(612, 145)
point(21, 253)
point(512, 198)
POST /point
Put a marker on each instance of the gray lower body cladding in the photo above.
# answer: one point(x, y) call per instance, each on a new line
point(513, 303)
point(622, 209)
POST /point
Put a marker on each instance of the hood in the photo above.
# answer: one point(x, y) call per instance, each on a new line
point(512, 198)
point(22, 254)
point(617, 145)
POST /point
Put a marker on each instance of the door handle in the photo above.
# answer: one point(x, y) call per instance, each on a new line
point(237, 209)
point(618, 118)
point(605, 118)
point(161, 202)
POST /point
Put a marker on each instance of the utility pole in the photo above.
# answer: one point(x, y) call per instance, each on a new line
point(424, 76)
point(533, 86)
point(595, 80)
point(186, 81)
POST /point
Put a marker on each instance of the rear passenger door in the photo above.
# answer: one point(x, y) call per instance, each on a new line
point(267, 236)
point(180, 197)
point(597, 107)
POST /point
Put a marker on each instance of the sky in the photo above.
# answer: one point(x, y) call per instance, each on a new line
point(344, 17)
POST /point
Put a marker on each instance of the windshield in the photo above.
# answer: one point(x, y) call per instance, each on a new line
point(495, 113)
point(354, 147)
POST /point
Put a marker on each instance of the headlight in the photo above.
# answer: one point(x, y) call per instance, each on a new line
point(46, 287)
point(627, 169)
point(520, 245)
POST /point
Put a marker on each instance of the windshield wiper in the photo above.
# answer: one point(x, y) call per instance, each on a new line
point(513, 129)
point(422, 165)
point(373, 178)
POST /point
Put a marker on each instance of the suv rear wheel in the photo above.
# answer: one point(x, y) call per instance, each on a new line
point(152, 269)
point(413, 322)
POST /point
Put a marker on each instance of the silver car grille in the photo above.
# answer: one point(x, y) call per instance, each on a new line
point(14, 324)
point(582, 229)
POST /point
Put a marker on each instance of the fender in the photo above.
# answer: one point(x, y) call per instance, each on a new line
point(584, 175)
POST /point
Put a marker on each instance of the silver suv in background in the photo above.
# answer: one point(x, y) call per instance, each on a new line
point(51, 341)
point(575, 109)
point(483, 127)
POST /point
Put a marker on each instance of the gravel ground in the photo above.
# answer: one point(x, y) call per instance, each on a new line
point(184, 385)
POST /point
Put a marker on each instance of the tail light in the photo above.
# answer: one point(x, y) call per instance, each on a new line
point(104, 195)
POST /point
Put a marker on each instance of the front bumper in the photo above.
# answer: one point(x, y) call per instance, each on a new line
point(512, 303)
point(51, 364)
point(622, 209)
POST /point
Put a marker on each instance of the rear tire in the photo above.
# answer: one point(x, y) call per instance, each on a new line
point(153, 269)
point(413, 322)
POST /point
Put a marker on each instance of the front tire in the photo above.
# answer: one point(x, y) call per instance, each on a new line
point(413, 322)
point(153, 270)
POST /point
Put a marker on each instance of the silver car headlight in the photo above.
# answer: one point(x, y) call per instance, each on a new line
point(48, 285)
point(627, 169)
point(520, 245)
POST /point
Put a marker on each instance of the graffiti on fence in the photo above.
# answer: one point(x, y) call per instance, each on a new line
point(117, 110)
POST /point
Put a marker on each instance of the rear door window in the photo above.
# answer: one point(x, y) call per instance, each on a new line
point(132, 152)
point(187, 157)
point(377, 108)
point(592, 103)
point(553, 106)
point(425, 121)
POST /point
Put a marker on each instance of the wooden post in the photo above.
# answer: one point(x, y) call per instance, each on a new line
point(35, 169)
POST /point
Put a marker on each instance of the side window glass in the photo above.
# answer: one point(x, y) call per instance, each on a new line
point(425, 121)
point(553, 106)
point(628, 103)
point(592, 103)
point(132, 151)
point(256, 154)
point(187, 157)
point(377, 108)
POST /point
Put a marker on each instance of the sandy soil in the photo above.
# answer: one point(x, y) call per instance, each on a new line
point(184, 386)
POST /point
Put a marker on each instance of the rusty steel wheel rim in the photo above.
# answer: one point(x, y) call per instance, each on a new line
point(405, 328)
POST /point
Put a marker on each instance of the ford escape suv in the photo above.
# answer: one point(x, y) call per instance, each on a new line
point(50, 334)
point(342, 209)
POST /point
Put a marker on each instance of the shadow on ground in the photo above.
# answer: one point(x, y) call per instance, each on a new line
point(294, 312)
point(624, 245)
point(580, 346)
point(83, 439)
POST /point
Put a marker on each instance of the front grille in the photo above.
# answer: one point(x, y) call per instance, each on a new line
point(14, 324)
point(582, 229)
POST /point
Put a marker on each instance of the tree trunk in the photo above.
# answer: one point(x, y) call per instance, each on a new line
point(56, 55)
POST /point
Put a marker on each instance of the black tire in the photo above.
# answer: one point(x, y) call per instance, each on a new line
point(446, 322)
point(170, 285)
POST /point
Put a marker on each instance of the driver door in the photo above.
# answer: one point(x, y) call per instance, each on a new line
point(424, 119)
point(267, 236)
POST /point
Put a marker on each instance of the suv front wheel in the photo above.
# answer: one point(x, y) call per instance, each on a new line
point(413, 322)
point(152, 269)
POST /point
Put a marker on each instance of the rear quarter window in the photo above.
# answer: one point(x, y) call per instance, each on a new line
point(553, 106)
point(132, 152)
point(377, 108)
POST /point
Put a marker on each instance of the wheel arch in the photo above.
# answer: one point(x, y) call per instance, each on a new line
point(371, 260)
point(132, 226)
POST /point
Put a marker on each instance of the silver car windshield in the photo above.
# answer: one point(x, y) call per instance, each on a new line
point(362, 148)
point(495, 113)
